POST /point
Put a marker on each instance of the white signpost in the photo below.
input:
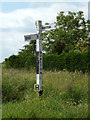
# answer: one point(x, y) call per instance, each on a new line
point(38, 38)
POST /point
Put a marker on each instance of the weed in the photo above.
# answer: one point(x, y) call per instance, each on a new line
point(64, 95)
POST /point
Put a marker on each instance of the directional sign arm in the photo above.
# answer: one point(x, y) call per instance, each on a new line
point(46, 27)
point(49, 27)
point(31, 37)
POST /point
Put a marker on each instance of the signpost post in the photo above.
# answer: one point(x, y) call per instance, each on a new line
point(39, 56)
point(38, 38)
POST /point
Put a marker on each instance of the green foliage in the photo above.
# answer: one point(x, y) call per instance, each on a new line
point(71, 29)
point(81, 45)
point(28, 49)
point(15, 85)
point(55, 62)
point(71, 61)
point(74, 60)
point(31, 62)
point(12, 61)
point(63, 95)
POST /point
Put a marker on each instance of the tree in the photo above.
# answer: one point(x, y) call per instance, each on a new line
point(71, 29)
point(28, 49)
point(82, 45)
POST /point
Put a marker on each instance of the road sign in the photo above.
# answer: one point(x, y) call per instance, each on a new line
point(36, 87)
point(49, 27)
point(31, 37)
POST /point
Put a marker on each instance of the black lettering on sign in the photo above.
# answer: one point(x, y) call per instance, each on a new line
point(29, 37)
point(25, 38)
point(40, 62)
point(37, 62)
point(49, 27)
point(46, 27)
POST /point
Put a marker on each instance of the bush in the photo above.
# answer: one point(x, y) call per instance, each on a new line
point(12, 62)
point(31, 62)
point(84, 66)
point(74, 60)
point(14, 87)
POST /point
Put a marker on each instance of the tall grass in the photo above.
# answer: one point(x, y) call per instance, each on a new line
point(0, 91)
point(65, 95)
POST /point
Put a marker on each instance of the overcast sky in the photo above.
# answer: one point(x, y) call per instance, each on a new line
point(18, 19)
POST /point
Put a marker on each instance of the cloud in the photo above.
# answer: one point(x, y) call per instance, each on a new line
point(11, 43)
point(24, 19)
point(89, 11)
point(14, 25)
point(45, 0)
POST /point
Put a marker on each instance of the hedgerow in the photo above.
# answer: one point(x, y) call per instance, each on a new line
point(71, 61)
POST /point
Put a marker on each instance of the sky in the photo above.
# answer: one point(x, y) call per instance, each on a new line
point(18, 19)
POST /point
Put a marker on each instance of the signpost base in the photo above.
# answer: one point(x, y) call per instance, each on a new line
point(40, 93)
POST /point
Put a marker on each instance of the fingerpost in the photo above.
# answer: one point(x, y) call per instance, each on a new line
point(38, 38)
